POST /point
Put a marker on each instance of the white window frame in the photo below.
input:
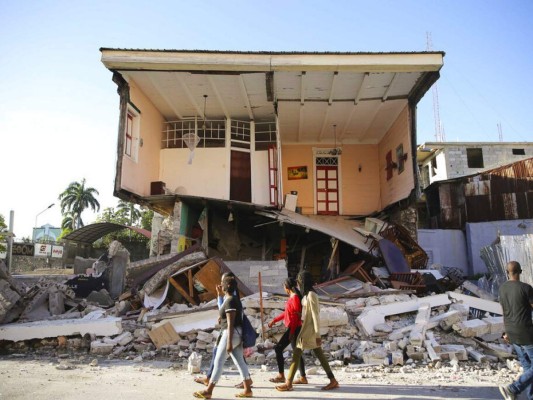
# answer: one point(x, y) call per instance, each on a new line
point(135, 132)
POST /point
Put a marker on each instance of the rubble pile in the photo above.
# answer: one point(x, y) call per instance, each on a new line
point(166, 308)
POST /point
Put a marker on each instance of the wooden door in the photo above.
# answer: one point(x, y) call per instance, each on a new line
point(327, 190)
point(241, 177)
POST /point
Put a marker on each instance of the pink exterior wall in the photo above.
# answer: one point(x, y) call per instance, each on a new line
point(359, 191)
point(137, 176)
point(400, 185)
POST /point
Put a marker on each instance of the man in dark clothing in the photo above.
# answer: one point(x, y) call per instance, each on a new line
point(516, 299)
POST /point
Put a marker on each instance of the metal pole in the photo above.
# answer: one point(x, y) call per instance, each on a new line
point(10, 240)
point(261, 307)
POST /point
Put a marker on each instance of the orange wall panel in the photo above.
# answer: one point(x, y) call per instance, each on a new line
point(401, 184)
point(359, 190)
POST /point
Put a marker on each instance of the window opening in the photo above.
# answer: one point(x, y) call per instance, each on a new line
point(240, 134)
point(474, 158)
point(265, 135)
point(129, 134)
point(519, 152)
point(214, 134)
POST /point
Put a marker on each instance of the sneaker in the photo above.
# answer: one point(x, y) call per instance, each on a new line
point(506, 393)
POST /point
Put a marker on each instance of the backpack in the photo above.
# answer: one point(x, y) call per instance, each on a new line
point(249, 335)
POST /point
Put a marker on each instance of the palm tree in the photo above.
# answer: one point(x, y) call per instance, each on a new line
point(129, 211)
point(69, 221)
point(76, 198)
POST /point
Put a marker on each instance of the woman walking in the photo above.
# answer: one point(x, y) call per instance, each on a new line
point(230, 341)
point(292, 319)
point(309, 337)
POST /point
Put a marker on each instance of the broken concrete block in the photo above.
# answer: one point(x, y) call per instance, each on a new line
point(418, 333)
point(373, 316)
point(56, 303)
point(432, 341)
point(415, 353)
point(98, 347)
point(495, 324)
point(67, 327)
point(8, 298)
point(397, 358)
point(476, 355)
point(453, 351)
point(391, 346)
point(200, 345)
point(477, 303)
point(449, 318)
point(332, 316)
point(376, 356)
point(471, 328)
point(123, 339)
point(204, 336)
point(183, 343)
point(385, 328)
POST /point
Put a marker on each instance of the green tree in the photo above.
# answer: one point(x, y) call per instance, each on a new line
point(2, 237)
point(75, 199)
point(129, 211)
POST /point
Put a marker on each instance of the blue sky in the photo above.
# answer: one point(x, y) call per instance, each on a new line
point(59, 107)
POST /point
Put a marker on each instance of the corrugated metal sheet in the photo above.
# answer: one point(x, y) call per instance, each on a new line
point(502, 193)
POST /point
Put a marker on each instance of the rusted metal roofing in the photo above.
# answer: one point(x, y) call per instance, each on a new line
point(497, 194)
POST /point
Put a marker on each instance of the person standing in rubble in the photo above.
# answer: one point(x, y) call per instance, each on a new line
point(516, 299)
point(292, 319)
point(309, 337)
point(229, 342)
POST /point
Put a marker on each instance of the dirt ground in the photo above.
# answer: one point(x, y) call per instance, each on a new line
point(88, 378)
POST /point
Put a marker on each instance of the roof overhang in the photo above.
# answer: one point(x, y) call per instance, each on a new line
point(91, 233)
point(362, 94)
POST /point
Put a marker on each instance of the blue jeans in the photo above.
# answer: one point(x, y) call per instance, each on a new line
point(236, 355)
point(525, 381)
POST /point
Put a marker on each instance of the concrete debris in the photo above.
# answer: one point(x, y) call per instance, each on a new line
point(374, 328)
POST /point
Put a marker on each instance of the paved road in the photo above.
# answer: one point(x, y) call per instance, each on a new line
point(35, 380)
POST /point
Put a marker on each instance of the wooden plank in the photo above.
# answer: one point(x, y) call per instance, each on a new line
point(209, 276)
point(191, 286)
point(163, 335)
point(182, 291)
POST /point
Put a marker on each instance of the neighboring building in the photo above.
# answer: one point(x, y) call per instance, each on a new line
point(438, 161)
point(46, 233)
point(336, 131)
point(481, 206)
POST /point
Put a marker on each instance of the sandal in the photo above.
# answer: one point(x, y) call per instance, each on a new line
point(277, 379)
point(202, 395)
point(284, 388)
point(241, 385)
point(331, 385)
point(201, 381)
point(302, 380)
point(244, 394)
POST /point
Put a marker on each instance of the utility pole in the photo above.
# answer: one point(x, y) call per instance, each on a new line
point(439, 130)
point(10, 240)
point(500, 133)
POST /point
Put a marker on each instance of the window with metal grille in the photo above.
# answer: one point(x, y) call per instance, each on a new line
point(212, 133)
point(265, 135)
point(240, 134)
point(327, 161)
point(474, 158)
